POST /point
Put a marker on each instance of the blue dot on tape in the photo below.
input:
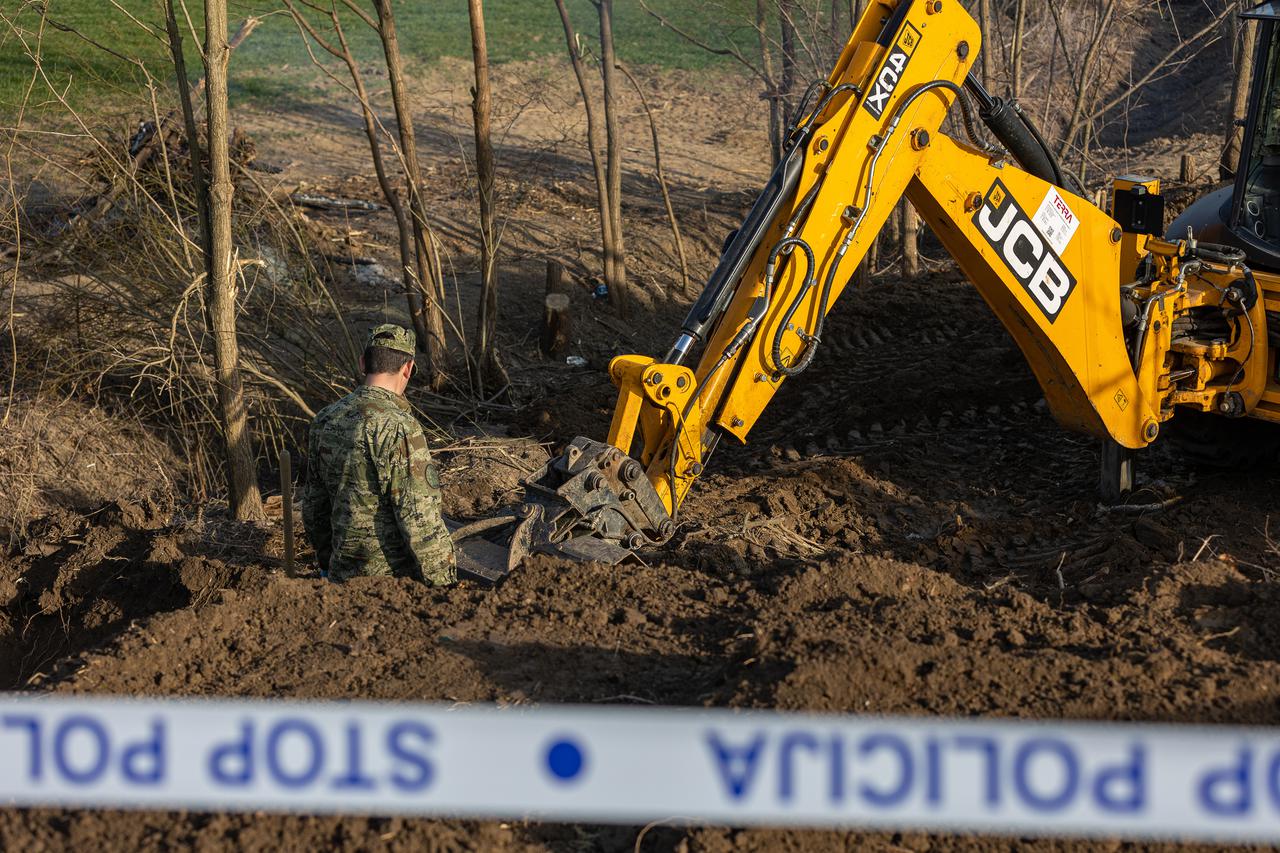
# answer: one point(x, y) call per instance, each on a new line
point(565, 759)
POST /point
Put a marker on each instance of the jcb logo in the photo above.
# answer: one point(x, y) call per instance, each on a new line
point(886, 81)
point(1022, 248)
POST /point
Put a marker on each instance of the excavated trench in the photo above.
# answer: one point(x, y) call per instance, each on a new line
point(907, 532)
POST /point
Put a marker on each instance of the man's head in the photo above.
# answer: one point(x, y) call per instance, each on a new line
point(388, 357)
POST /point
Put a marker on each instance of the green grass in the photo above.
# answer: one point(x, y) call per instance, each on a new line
point(273, 63)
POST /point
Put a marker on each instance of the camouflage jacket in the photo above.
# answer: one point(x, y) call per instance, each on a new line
point(372, 500)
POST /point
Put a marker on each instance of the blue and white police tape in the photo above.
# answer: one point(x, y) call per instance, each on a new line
point(637, 765)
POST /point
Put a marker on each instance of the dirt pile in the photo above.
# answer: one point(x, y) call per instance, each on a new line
point(481, 474)
point(61, 458)
point(80, 584)
point(889, 542)
point(847, 633)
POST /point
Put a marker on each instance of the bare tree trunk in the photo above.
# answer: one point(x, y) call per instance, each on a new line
point(988, 48)
point(1244, 38)
point(771, 94)
point(1086, 141)
point(910, 246)
point(787, 46)
point(1019, 30)
point(835, 31)
point(662, 183)
point(404, 231)
point(429, 272)
point(242, 480)
point(613, 163)
point(194, 151)
point(1085, 88)
point(491, 374)
point(593, 143)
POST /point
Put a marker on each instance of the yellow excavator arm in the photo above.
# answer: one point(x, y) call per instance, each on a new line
point(1092, 303)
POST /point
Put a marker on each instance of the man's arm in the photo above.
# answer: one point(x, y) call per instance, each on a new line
point(317, 511)
point(414, 488)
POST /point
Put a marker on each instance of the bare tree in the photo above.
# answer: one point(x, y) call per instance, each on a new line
point(988, 41)
point(1085, 83)
point(1243, 39)
point(662, 182)
point(189, 120)
point(777, 120)
point(1019, 31)
point(762, 69)
point(434, 346)
point(613, 143)
point(491, 374)
point(242, 481)
point(412, 275)
point(910, 233)
point(787, 28)
point(607, 166)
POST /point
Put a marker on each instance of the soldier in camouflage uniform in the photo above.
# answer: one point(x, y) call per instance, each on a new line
point(372, 499)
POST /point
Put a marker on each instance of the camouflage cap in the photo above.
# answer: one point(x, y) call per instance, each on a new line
point(394, 337)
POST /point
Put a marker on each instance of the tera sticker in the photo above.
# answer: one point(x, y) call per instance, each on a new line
point(1025, 251)
point(1056, 221)
point(894, 65)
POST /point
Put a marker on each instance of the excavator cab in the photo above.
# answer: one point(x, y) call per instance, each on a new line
point(1255, 210)
point(1246, 213)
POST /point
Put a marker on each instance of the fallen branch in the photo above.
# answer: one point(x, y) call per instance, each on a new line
point(324, 202)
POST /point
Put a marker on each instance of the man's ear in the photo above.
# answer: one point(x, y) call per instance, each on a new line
point(408, 369)
point(363, 370)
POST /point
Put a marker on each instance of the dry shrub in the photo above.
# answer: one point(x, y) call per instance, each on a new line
point(114, 309)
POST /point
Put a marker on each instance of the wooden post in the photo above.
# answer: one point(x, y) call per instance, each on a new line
point(555, 324)
point(1187, 170)
point(286, 507)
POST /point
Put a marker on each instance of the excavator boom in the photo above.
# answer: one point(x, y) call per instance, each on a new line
point(1092, 302)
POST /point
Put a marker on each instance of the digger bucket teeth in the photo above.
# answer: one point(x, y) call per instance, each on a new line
point(592, 503)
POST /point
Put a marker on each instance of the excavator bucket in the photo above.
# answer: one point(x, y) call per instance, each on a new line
point(592, 503)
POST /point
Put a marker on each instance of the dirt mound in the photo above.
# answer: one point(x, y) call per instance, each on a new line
point(853, 633)
point(908, 536)
point(480, 475)
point(70, 590)
point(61, 459)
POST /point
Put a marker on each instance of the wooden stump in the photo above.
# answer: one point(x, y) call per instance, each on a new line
point(556, 324)
point(1187, 171)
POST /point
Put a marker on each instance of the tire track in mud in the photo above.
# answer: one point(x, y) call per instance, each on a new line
point(921, 417)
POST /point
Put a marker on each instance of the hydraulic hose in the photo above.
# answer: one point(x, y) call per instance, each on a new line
point(1018, 133)
point(814, 338)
